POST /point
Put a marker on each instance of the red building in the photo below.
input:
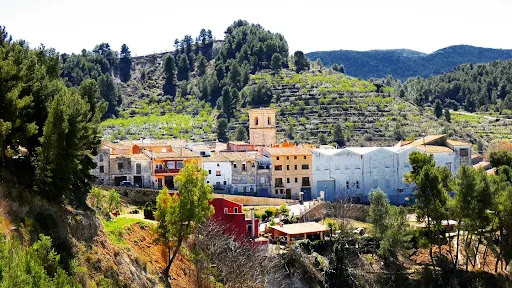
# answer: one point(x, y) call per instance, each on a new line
point(230, 213)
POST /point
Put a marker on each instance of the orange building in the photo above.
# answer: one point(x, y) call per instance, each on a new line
point(291, 171)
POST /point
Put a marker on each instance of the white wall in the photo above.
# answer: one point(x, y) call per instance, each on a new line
point(226, 172)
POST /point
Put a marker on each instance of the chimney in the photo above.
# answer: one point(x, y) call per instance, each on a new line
point(253, 223)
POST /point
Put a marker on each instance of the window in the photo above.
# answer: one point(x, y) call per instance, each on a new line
point(347, 184)
point(218, 165)
point(217, 184)
point(464, 152)
point(234, 165)
point(236, 208)
point(164, 150)
point(277, 158)
point(287, 167)
point(138, 168)
point(305, 157)
point(279, 182)
point(347, 168)
point(225, 210)
point(251, 189)
point(287, 157)
point(449, 165)
point(305, 182)
point(158, 166)
point(262, 180)
point(357, 184)
point(256, 121)
point(295, 157)
point(287, 180)
point(249, 228)
point(101, 157)
point(326, 167)
point(102, 169)
point(305, 166)
point(253, 164)
point(244, 180)
point(400, 190)
point(171, 165)
point(281, 191)
point(210, 172)
point(120, 166)
point(179, 165)
point(207, 182)
point(276, 191)
point(244, 189)
point(244, 167)
point(295, 166)
point(224, 183)
point(278, 167)
point(296, 180)
point(269, 121)
point(406, 164)
point(217, 173)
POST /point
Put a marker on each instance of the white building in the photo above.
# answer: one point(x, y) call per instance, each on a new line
point(355, 171)
point(219, 168)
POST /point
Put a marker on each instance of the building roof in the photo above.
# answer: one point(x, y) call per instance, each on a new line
point(175, 153)
point(484, 165)
point(434, 149)
point(429, 139)
point(238, 143)
point(301, 228)
point(327, 151)
point(291, 150)
point(227, 156)
point(131, 156)
point(361, 150)
point(458, 143)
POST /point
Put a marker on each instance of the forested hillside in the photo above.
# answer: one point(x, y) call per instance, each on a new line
point(402, 63)
point(471, 87)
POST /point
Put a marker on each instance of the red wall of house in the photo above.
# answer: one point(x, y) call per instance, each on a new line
point(234, 222)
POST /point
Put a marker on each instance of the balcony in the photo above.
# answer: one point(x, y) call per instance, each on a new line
point(166, 171)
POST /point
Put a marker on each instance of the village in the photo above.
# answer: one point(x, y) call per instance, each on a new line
point(286, 184)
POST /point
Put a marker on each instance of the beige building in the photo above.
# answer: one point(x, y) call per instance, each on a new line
point(291, 171)
point(262, 127)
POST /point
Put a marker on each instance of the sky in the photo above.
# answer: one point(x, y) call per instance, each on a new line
point(151, 26)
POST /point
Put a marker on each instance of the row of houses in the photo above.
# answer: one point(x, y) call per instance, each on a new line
point(283, 171)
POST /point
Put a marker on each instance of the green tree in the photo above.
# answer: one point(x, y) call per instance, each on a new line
point(431, 202)
point(447, 115)
point(183, 67)
point(322, 139)
point(379, 212)
point(338, 134)
point(201, 64)
point(235, 75)
point(227, 103)
point(300, 61)
point(276, 63)
point(438, 108)
point(125, 63)
point(394, 239)
point(109, 93)
point(113, 200)
point(398, 134)
point(500, 158)
point(179, 214)
point(70, 137)
point(170, 73)
point(240, 134)
point(222, 126)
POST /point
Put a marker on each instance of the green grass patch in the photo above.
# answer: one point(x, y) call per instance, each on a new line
point(117, 227)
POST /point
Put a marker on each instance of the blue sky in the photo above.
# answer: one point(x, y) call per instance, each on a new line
point(151, 26)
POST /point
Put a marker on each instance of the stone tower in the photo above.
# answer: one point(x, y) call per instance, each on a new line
point(262, 127)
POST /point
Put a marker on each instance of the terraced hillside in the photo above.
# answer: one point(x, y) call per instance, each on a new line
point(147, 112)
point(310, 104)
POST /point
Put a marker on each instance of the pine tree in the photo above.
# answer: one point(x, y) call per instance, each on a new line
point(438, 108)
point(170, 73)
point(183, 67)
point(201, 64)
point(447, 115)
point(222, 126)
point(125, 63)
point(276, 63)
point(338, 135)
point(240, 134)
point(300, 61)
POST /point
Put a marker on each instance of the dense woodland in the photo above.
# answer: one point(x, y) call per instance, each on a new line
point(403, 63)
point(470, 87)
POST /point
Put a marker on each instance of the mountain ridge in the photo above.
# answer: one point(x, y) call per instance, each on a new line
point(405, 63)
